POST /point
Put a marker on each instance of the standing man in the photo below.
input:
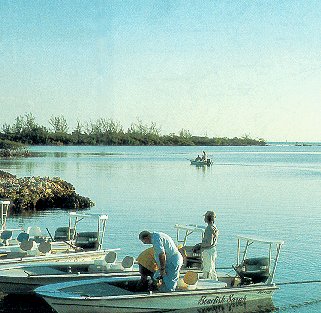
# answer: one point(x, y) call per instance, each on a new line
point(167, 256)
point(204, 156)
point(208, 246)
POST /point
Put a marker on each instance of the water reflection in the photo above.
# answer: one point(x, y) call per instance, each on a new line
point(60, 154)
point(23, 304)
point(77, 154)
point(202, 168)
point(262, 306)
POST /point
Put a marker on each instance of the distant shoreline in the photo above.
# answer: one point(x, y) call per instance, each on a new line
point(294, 143)
point(107, 132)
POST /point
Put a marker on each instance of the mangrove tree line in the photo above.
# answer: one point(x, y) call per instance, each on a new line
point(105, 131)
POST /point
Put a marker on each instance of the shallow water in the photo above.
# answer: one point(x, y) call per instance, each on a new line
point(271, 191)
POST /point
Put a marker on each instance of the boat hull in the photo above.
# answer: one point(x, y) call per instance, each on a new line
point(18, 284)
point(201, 163)
point(59, 257)
point(239, 299)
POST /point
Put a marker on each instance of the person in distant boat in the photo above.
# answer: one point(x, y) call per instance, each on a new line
point(204, 156)
point(168, 258)
point(198, 158)
point(208, 246)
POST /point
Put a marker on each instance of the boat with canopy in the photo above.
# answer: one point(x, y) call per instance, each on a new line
point(252, 284)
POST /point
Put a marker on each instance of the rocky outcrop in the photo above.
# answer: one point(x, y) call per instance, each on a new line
point(39, 193)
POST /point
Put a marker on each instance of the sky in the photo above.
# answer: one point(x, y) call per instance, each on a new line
point(212, 67)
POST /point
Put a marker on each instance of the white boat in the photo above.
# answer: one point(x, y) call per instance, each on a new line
point(63, 239)
point(252, 284)
point(67, 245)
point(23, 278)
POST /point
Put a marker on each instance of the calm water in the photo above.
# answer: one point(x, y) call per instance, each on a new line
point(271, 191)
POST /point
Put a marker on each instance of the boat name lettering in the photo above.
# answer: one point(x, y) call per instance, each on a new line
point(208, 301)
point(221, 299)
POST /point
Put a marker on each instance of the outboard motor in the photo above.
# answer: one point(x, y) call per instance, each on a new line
point(63, 234)
point(253, 270)
point(87, 240)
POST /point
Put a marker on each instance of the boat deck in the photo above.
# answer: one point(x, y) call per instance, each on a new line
point(104, 289)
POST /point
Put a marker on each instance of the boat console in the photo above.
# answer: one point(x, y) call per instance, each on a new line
point(253, 270)
point(63, 233)
point(87, 240)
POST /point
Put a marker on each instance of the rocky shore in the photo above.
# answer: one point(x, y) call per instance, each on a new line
point(39, 193)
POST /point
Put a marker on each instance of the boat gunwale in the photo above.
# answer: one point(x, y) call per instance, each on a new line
point(98, 274)
point(50, 257)
point(201, 163)
point(50, 292)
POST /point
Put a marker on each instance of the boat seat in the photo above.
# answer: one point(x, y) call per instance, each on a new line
point(125, 265)
point(6, 235)
point(44, 247)
point(22, 236)
point(110, 257)
point(189, 281)
point(128, 263)
point(190, 278)
point(103, 265)
point(28, 245)
point(34, 231)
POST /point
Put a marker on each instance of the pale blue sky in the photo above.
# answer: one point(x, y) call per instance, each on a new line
point(221, 68)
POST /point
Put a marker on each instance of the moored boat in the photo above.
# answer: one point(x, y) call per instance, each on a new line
point(253, 283)
point(24, 278)
point(68, 245)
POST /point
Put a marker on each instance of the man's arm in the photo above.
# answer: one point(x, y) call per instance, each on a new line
point(162, 262)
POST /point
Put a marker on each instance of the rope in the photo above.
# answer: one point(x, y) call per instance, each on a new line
point(299, 282)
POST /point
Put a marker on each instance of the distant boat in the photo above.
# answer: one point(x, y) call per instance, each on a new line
point(303, 144)
point(207, 162)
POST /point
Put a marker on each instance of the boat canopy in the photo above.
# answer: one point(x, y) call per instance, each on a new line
point(94, 215)
point(75, 218)
point(259, 239)
point(188, 229)
point(191, 227)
